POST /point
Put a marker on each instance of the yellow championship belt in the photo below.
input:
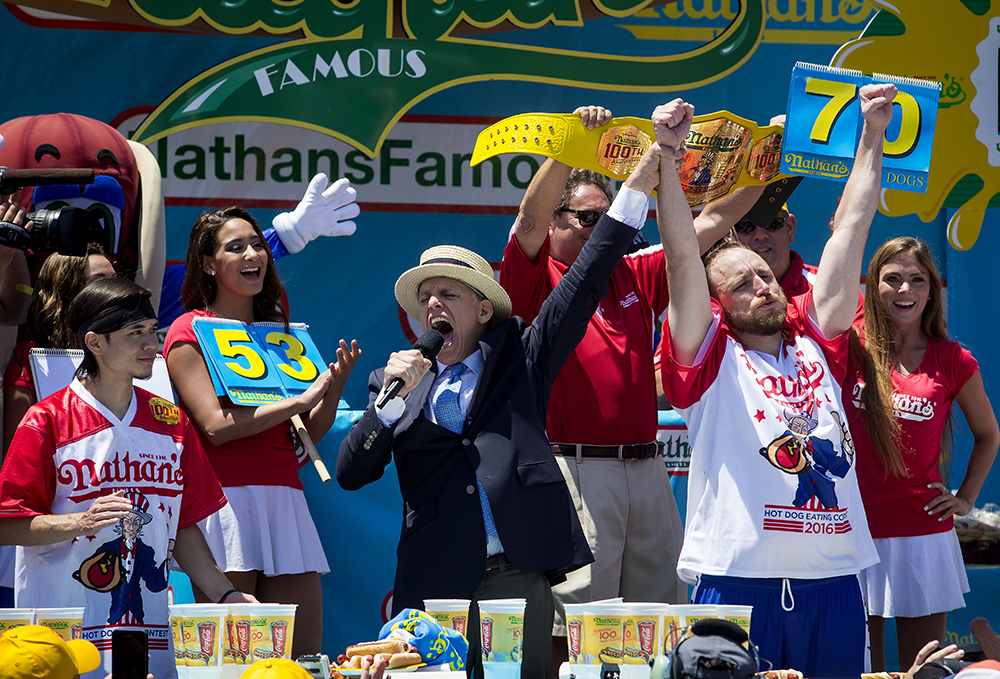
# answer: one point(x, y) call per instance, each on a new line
point(724, 151)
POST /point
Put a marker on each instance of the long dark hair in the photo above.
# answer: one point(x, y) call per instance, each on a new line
point(879, 352)
point(199, 288)
point(59, 281)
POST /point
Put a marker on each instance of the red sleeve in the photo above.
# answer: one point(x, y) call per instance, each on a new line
point(835, 349)
point(649, 268)
point(684, 385)
point(180, 331)
point(28, 477)
point(18, 373)
point(658, 354)
point(203, 495)
point(526, 283)
point(962, 366)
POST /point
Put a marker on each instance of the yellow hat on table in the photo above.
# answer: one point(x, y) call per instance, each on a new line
point(33, 651)
point(276, 668)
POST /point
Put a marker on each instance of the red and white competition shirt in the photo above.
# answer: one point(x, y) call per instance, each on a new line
point(772, 490)
point(605, 393)
point(70, 450)
point(895, 506)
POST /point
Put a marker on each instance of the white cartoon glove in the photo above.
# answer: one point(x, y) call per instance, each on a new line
point(321, 212)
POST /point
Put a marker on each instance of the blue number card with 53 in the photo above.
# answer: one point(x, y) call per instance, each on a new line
point(824, 121)
point(258, 363)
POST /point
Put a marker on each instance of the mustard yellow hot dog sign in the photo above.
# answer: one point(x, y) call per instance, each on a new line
point(724, 151)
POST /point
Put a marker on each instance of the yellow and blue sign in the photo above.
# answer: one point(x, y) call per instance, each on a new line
point(824, 122)
point(258, 363)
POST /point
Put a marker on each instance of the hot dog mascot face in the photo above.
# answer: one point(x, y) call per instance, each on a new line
point(127, 183)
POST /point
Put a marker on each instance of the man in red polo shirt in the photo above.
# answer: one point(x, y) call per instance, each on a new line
point(602, 414)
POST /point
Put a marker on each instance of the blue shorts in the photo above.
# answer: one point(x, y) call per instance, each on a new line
point(822, 636)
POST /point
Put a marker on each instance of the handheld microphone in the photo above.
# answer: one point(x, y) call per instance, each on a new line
point(428, 344)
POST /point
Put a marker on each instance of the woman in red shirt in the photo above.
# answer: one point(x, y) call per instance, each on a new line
point(264, 539)
point(905, 362)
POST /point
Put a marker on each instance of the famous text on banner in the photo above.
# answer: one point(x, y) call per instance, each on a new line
point(724, 151)
point(824, 120)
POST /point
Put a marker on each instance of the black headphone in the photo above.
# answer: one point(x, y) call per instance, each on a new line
point(714, 651)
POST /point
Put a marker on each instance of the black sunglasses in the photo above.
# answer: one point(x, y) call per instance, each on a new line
point(745, 226)
point(587, 218)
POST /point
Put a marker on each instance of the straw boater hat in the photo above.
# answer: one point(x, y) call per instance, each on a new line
point(449, 261)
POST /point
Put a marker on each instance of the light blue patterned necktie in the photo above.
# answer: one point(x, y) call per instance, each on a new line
point(449, 415)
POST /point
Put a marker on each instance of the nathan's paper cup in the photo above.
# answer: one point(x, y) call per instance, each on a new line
point(501, 626)
point(604, 633)
point(450, 613)
point(177, 629)
point(16, 617)
point(272, 627)
point(642, 631)
point(574, 632)
point(679, 618)
point(237, 648)
point(204, 630)
point(66, 622)
point(737, 614)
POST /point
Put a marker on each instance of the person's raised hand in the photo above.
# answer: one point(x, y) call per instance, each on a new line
point(593, 116)
point(671, 124)
point(876, 104)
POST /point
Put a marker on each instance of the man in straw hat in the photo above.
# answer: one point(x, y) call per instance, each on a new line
point(486, 510)
point(72, 476)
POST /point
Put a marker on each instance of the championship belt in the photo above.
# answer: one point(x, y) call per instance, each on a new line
point(787, 453)
point(724, 151)
point(101, 572)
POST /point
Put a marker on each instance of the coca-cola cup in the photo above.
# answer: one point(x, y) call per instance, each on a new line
point(487, 636)
point(242, 646)
point(449, 613)
point(206, 636)
point(502, 637)
point(279, 628)
point(76, 631)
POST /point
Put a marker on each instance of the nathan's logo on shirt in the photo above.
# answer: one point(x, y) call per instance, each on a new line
point(916, 408)
point(165, 411)
point(796, 392)
point(132, 469)
point(630, 299)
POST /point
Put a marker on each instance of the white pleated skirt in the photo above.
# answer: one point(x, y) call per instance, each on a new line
point(917, 576)
point(267, 529)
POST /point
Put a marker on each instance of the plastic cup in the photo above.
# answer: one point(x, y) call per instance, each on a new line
point(63, 621)
point(16, 617)
point(642, 631)
point(272, 627)
point(738, 614)
point(450, 613)
point(501, 625)
point(604, 633)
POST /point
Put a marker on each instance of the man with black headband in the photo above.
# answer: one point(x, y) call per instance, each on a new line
point(104, 481)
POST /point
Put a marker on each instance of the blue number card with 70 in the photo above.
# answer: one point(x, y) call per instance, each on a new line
point(824, 122)
point(258, 363)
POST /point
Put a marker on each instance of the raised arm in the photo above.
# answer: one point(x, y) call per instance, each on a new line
point(690, 312)
point(546, 188)
point(835, 294)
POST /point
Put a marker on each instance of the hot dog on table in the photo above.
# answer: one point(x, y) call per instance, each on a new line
point(399, 653)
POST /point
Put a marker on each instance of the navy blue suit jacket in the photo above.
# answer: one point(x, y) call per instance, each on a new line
point(442, 545)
